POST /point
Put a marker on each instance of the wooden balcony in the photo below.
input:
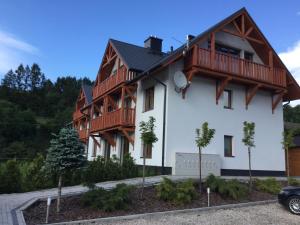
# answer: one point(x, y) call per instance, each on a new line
point(235, 66)
point(77, 114)
point(120, 117)
point(83, 134)
point(112, 81)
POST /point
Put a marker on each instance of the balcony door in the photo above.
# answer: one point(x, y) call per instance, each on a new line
point(124, 148)
point(106, 150)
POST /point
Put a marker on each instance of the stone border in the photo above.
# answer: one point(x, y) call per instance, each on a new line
point(153, 214)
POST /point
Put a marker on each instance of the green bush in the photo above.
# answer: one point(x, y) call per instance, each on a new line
point(21, 176)
point(180, 193)
point(270, 185)
point(228, 188)
point(293, 181)
point(166, 190)
point(10, 177)
point(185, 192)
point(103, 170)
point(108, 200)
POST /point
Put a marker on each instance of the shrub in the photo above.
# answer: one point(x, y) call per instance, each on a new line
point(185, 192)
point(34, 175)
point(293, 181)
point(166, 190)
point(10, 177)
point(180, 193)
point(231, 188)
point(270, 185)
point(102, 170)
point(108, 200)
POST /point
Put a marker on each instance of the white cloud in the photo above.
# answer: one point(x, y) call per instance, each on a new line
point(13, 51)
point(291, 58)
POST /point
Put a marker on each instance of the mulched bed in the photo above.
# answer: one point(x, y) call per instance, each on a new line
point(72, 209)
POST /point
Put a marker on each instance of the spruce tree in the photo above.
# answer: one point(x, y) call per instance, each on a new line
point(66, 153)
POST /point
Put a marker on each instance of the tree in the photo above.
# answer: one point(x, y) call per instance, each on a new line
point(65, 154)
point(204, 135)
point(287, 142)
point(37, 78)
point(148, 137)
point(9, 80)
point(20, 77)
point(248, 140)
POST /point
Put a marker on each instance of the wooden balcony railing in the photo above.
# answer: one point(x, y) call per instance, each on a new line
point(120, 117)
point(77, 114)
point(112, 81)
point(236, 66)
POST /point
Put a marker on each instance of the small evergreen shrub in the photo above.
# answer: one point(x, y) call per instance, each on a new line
point(185, 192)
point(108, 200)
point(227, 188)
point(180, 193)
point(293, 181)
point(166, 190)
point(270, 185)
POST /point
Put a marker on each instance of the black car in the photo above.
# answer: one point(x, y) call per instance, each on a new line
point(290, 197)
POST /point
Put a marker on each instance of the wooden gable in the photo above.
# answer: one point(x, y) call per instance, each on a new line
point(110, 58)
point(243, 26)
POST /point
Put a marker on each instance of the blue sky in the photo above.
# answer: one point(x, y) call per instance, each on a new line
point(68, 37)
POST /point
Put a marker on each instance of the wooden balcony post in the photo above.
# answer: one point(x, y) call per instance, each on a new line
point(122, 104)
point(213, 50)
point(271, 76)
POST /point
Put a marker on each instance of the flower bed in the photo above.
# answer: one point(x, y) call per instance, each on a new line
point(72, 208)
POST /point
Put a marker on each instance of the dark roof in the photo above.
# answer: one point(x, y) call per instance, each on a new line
point(136, 57)
point(87, 90)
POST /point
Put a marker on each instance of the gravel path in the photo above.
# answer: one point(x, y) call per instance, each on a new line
point(252, 215)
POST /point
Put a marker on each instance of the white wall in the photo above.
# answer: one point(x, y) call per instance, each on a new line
point(157, 113)
point(185, 115)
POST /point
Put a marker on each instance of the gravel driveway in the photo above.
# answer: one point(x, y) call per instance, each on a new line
point(252, 215)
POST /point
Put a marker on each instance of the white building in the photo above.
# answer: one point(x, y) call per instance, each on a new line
point(233, 75)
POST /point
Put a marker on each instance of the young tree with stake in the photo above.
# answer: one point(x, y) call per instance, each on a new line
point(248, 140)
point(287, 142)
point(203, 138)
point(148, 137)
point(65, 153)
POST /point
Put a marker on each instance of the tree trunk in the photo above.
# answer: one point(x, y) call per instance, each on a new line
point(144, 171)
point(200, 176)
point(250, 177)
point(59, 194)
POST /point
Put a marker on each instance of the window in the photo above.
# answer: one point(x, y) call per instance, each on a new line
point(147, 151)
point(228, 146)
point(228, 50)
point(248, 56)
point(227, 95)
point(149, 99)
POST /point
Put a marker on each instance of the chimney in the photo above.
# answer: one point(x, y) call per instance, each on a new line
point(153, 43)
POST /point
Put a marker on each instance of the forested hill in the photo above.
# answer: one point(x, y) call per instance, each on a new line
point(31, 108)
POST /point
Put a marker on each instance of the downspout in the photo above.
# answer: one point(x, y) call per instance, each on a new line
point(164, 124)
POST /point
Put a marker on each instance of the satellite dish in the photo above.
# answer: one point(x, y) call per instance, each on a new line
point(180, 80)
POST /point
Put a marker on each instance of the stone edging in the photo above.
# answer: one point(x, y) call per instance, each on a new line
point(147, 215)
